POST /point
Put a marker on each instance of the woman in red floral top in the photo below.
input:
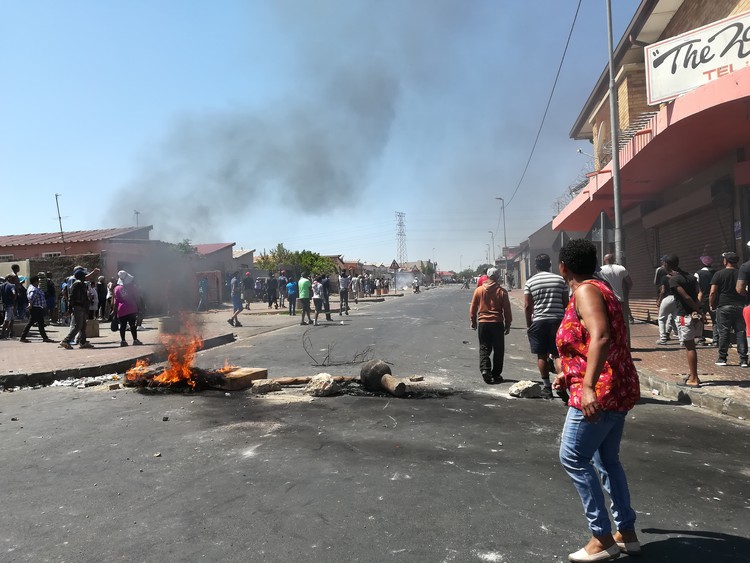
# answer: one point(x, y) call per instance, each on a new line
point(599, 373)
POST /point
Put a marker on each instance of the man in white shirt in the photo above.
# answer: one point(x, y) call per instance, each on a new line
point(619, 280)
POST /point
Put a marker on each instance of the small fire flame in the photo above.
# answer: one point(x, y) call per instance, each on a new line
point(227, 368)
point(181, 350)
point(140, 369)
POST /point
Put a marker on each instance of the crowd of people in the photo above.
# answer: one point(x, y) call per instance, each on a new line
point(83, 296)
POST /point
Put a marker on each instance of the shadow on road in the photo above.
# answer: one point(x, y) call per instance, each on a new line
point(695, 546)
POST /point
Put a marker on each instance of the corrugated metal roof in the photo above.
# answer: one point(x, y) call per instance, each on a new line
point(204, 249)
point(70, 236)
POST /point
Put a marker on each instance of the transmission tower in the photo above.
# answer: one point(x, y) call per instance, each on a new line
point(401, 239)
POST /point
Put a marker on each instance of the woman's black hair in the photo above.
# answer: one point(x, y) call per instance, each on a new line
point(579, 256)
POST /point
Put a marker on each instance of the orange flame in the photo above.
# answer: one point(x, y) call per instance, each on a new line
point(227, 368)
point(181, 350)
point(138, 370)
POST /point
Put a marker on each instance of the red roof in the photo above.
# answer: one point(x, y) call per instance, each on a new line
point(204, 249)
point(70, 236)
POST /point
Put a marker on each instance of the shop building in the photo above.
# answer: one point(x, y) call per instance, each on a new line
point(683, 83)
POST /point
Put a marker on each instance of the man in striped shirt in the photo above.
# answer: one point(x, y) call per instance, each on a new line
point(545, 299)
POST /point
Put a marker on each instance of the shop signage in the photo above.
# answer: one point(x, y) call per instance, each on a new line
point(685, 62)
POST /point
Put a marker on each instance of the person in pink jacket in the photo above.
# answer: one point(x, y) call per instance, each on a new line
point(125, 305)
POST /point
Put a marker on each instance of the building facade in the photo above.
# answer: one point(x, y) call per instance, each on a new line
point(684, 148)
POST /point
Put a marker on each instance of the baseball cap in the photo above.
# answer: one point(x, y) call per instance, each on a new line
point(492, 273)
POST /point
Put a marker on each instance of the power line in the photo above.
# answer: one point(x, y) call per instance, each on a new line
point(546, 109)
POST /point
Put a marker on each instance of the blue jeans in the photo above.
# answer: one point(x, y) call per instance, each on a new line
point(729, 318)
point(585, 442)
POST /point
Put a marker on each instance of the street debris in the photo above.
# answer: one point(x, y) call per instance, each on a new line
point(416, 378)
point(84, 382)
point(375, 375)
point(262, 387)
point(322, 385)
point(526, 390)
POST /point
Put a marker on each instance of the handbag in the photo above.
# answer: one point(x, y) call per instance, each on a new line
point(114, 326)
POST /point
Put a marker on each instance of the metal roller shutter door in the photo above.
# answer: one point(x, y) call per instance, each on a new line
point(690, 237)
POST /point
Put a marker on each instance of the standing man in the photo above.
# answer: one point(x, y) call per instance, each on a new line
point(344, 283)
point(8, 289)
point(78, 301)
point(235, 291)
point(728, 305)
point(247, 289)
point(491, 317)
point(545, 298)
point(305, 286)
point(704, 277)
point(37, 308)
point(665, 300)
point(684, 287)
point(619, 280)
point(283, 281)
point(272, 289)
point(326, 294)
point(743, 280)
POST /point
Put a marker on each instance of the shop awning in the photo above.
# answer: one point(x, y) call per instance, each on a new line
point(686, 136)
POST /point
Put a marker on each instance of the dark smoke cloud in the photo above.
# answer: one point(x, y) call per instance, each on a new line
point(316, 150)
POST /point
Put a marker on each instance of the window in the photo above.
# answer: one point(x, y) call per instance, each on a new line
point(6, 257)
point(51, 254)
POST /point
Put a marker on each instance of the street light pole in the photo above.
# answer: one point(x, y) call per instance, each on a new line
point(505, 236)
point(614, 118)
point(494, 259)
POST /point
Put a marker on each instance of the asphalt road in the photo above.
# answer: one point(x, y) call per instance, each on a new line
point(462, 473)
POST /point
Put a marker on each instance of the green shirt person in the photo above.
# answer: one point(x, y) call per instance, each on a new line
point(305, 287)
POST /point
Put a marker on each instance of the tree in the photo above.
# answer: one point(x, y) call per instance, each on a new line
point(312, 263)
point(185, 247)
point(481, 268)
point(468, 273)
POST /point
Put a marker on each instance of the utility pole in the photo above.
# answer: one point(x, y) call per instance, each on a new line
point(614, 120)
point(59, 220)
point(494, 258)
point(136, 213)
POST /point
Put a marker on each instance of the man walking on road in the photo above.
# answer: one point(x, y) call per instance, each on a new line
point(728, 305)
point(545, 299)
point(743, 280)
point(491, 317)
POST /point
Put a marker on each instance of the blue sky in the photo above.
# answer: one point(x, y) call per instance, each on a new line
point(303, 122)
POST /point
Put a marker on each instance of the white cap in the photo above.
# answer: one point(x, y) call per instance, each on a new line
point(492, 273)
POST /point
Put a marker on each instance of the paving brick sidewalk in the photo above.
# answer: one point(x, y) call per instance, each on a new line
point(724, 389)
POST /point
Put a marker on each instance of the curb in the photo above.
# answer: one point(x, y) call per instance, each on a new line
point(120, 366)
point(697, 397)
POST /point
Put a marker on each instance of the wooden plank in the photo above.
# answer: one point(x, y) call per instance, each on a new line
point(304, 380)
point(242, 378)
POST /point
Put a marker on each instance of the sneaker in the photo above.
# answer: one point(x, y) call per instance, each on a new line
point(24, 340)
point(745, 364)
point(721, 363)
point(137, 342)
point(123, 344)
point(65, 345)
point(315, 323)
point(547, 393)
point(302, 323)
point(237, 323)
point(86, 345)
point(497, 379)
point(49, 340)
point(662, 341)
point(487, 377)
point(231, 321)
